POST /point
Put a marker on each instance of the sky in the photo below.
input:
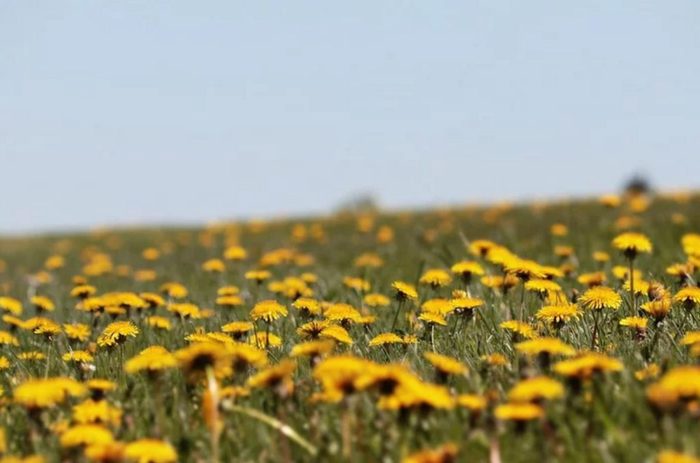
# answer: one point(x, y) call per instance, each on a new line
point(120, 113)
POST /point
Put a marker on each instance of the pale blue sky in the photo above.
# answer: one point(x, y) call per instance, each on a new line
point(180, 111)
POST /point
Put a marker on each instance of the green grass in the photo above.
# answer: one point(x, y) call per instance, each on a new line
point(609, 421)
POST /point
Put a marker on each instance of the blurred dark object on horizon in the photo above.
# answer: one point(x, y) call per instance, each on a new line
point(361, 203)
point(638, 185)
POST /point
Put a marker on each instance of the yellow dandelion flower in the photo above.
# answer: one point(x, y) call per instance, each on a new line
point(522, 411)
point(238, 329)
point(44, 393)
point(631, 244)
point(536, 389)
point(7, 339)
point(481, 247)
point(690, 338)
point(258, 275)
point(376, 300)
point(313, 348)
point(307, 306)
point(542, 286)
point(385, 338)
point(522, 329)
point(83, 291)
point(600, 297)
point(85, 435)
point(438, 306)
point(592, 279)
point(670, 456)
point(337, 333)
point(658, 308)
point(557, 314)
point(233, 300)
point(11, 305)
point(342, 313)
point(268, 310)
point(638, 323)
point(495, 359)
point(152, 359)
point(265, 340)
point(117, 332)
point(159, 322)
point(436, 278)
point(651, 371)
point(466, 269)
point(78, 356)
point(197, 357)
point(586, 365)
point(150, 451)
point(688, 297)
point(43, 303)
point(404, 290)
point(551, 346)
point(96, 412)
point(445, 364)
point(274, 375)
point(338, 374)
point(443, 454)
point(174, 290)
point(358, 284)
point(432, 318)
point(77, 331)
point(235, 253)
point(369, 260)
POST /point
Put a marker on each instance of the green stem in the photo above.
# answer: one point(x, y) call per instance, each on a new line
point(277, 425)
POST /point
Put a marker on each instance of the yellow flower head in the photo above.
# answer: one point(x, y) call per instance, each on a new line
point(268, 310)
point(85, 435)
point(466, 268)
point(536, 389)
point(688, 297)
point(557, 314)
point(444, 454)
point(522, 329)
point(44, 393)
point(404, 290)
point(600, 297)
point(386, 338)
point(521, 411)
point(551, 346)
point(150, 451)
point(638, 323)
point(116, 333)
point(631, 244)
point(307, 306)
point(446, 364)
point(587, 364)
point(376, 300)
point(151, 359)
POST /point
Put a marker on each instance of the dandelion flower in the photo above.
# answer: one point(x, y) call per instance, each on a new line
point(404, 290)
point(631, 244)
point(446, 365)
point(551, 346)
point(268, 310)
point(150, 451)
point(520, 412)
point(85, 435)
point(376, 300)
point(536, 389)
point(117, 332)
point(688, 297)
point(600, 297)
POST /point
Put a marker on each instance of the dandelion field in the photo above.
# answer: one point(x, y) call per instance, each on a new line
point(561, 332)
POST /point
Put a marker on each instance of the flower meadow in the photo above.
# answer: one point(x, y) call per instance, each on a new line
point(563, 331)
